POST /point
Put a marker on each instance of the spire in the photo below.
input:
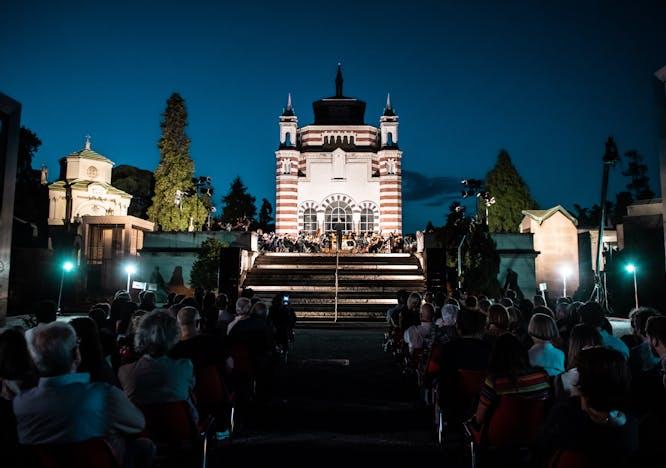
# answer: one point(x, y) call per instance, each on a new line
point(388, 109)
point(338, 81)
point(87, 144)
point(289, 110)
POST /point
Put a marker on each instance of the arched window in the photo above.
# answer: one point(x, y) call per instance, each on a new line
point(367, 220)
point(310, 221)
point(338, 212)
point(389, 139)
point(287, 139)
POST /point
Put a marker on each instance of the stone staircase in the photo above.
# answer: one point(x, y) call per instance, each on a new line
point(367, 283)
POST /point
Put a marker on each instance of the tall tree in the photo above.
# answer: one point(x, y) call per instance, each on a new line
point(511, 193)
point(637, 170)
point(238, 204)
point(28, 145)
point(265, 214)
point(175, 204)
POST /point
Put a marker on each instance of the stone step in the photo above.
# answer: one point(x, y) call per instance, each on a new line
point(341, 255)
point(318, 276)
point(394, 288)
point(331, 268)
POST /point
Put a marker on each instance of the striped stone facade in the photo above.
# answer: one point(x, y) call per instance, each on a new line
point(326, 170)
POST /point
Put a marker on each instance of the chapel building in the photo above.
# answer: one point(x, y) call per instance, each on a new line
point(339, 169)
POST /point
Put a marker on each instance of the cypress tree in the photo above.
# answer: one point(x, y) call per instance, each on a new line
point(238, 204)
point(265, 214)
point(512, 195)
point(174, 174)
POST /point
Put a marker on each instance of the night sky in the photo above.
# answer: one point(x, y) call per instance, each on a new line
point(549, 83)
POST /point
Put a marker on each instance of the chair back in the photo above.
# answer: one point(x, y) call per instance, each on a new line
point(169, 422)
point(572, 459)
point(208, 390)
point(92, 453)
point(243, 359)
point(469, 384)
point(515, 421)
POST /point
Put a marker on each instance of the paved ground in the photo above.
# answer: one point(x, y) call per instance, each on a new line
point(338, 398)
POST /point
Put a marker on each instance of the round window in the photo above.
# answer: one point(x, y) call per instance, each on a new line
point(92, 171)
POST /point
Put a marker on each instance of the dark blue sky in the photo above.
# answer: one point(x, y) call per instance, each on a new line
point(549, 83)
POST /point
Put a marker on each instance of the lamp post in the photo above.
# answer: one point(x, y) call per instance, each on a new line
point(130, 269)
point(631, 268)
point(66, 268)
point(565, 271)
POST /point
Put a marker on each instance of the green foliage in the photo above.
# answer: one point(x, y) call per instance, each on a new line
point(637, 170)
point(137, 182)
point(511, 193)
point(238, 204)
point(28, 145)
point(265, 215)
point(174, 173)
point(206, 267)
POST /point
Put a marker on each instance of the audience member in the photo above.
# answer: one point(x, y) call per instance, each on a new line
point(418, 336)
point(581, 337)
point(201, 349)
point(498, 321)
point(65, 406)
point(92, 355)
point(17, 371)
point(592, 314)
point(393, 314)
point(543, 330)
point(147, 302)
point(641, 357)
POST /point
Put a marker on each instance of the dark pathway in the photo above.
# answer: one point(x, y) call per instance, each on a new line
point(340, 396)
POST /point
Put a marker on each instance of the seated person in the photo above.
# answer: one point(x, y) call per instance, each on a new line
point(417, 337)
point(592, 314)
point(65, 406)
point(641, 357)
point(155, 377)
point(202, 350)
point(498, 322)
point(509, 374)
point(543, 330)
point(469, 351)
point(251, 331)
point(596, 423)
point(92, 355)
point(581, 337)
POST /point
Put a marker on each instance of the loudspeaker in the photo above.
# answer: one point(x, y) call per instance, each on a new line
point(229, 273)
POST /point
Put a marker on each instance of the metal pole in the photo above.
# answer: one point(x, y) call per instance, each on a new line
point(337, 265)
point(602, 227)
point(460, 261)
point(128, 281)
point(487, 222)
point(62, 280)
point(635, 290)
point(564, 281)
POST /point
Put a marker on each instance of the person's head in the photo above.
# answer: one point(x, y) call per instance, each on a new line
point(199, 294)
point(453, 301)
point(591, 314)
point(429, 297)
point(188, 321)
point(243, 306)
point(506, 302)
point(574, 312)
point(222, 301)
point(498, 317)
point(54, 349)
point(148, 299)
point(539, 300)
point(248, 293)
point(46, 312)
point(414, 301)
point(471, 302)
point(121, 296)
point(15, 360)
point(484, 305)
point(440, 299)
point(260, 310)
point(157, 333)
point(427, 312)
point(508, 357)
point(603, 379)
point(105, 306)
point(449, 315)
point(639, 318)
point(98, 316)
point(655, 329)
point(582, 336)
point(562, 310)
point(543, 310)
point(471, 322)
point(526, 308)
point(511, 294)
point(171, 297)
point(209, 300)
point(90, 346)
point(542, 327)
point(402, 297)
point(133, 325)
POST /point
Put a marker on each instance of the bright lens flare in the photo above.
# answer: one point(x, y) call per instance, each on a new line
point(68, 266)
point(631, 268)
point(130, 269)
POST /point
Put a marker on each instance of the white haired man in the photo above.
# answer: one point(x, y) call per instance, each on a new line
point(66, 407)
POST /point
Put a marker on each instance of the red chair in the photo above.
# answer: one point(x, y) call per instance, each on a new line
point(572, 459)
point(513, 425)
point(92, 453)
point(170, 423)
point(209, 391)
point(455, 398)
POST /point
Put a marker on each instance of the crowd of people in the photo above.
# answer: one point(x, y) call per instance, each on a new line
point(327, 242)
point(119, 374)
point(515, 372)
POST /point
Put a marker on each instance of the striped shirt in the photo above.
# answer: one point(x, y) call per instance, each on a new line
point(534, 384)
